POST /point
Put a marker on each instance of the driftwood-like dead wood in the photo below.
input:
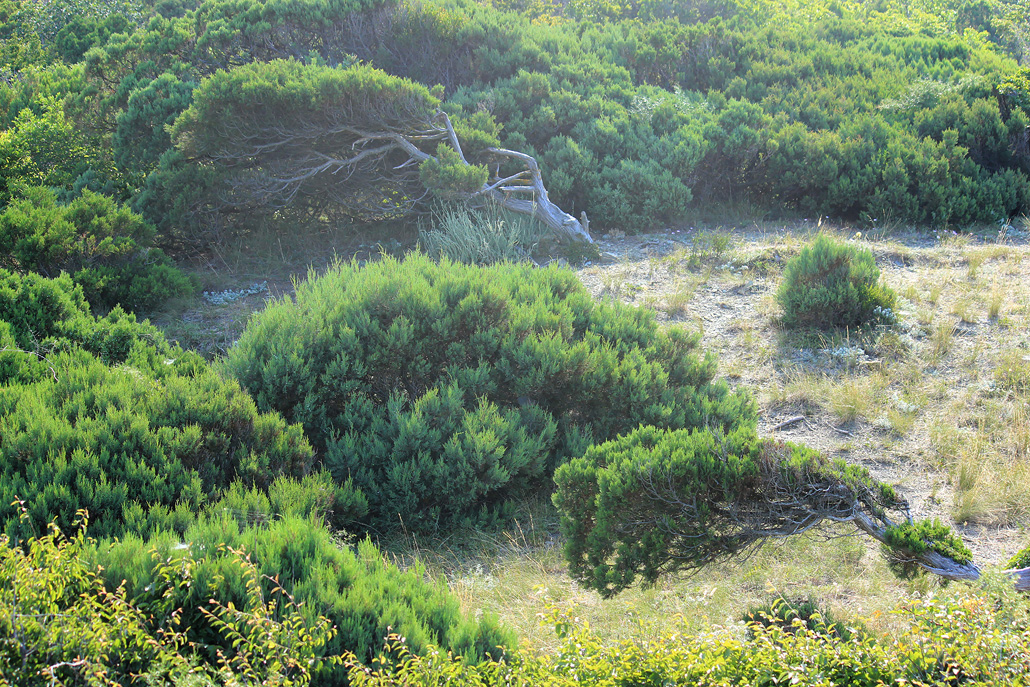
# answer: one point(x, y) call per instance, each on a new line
point(788, 422)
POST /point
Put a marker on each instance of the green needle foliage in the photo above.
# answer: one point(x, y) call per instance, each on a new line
point(105, 247)
point(834, 284)
point(445, 391)
point(363, 594)
point(105, 415)
point(656, 502)
point(1020, 560)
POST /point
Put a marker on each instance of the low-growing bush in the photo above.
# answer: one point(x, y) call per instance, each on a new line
point(60, 625)
point(656, 502)
point(445, 391)
point(105, 247)
point(834, 284)
point(363, 595)
point(968, 637)
point(797, 614)
point(105, 415)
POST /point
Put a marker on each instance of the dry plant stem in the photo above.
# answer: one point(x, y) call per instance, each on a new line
point(788, 422)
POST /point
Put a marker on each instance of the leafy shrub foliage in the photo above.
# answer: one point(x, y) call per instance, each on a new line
point(444, 390)
point(106, 415)
point(797, 614)
point(834, 284)
point(968, 637)
point(60, 625)
point(58, 621)
point(104, 246)
point(358, 590)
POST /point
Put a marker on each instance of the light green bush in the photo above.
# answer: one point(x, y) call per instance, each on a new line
point(965, 637)
point(105, 247)
point(363, 594)
point(105, 415)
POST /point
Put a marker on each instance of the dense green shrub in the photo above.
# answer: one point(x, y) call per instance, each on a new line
point(445, 390)
point(655, 502)
point(104, 246)
point(862, 114)
point(365, 596)
point(42, 148)
point(105, 415)
point(834, 284)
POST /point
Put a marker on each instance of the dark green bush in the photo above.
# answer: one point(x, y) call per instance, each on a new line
point(105, 415)
point(104, 246)
point(656, 502)
point(365, 596)
point(446, 390)
point(834, 284)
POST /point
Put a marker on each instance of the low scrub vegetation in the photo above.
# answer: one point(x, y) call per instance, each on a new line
point(834, 284)
point(445, 391)
point(66, 626)
point(165, 519)
point(104, 415)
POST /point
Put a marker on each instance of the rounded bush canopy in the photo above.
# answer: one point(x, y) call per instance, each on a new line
point(446, 390)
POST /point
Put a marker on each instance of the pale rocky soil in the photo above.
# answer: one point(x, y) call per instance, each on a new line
point(877, 376)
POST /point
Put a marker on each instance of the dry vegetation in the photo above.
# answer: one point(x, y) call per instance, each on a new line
point(939, 405)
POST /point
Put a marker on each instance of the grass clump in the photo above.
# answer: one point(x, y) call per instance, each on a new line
point(478, 237)
point(832, 284)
